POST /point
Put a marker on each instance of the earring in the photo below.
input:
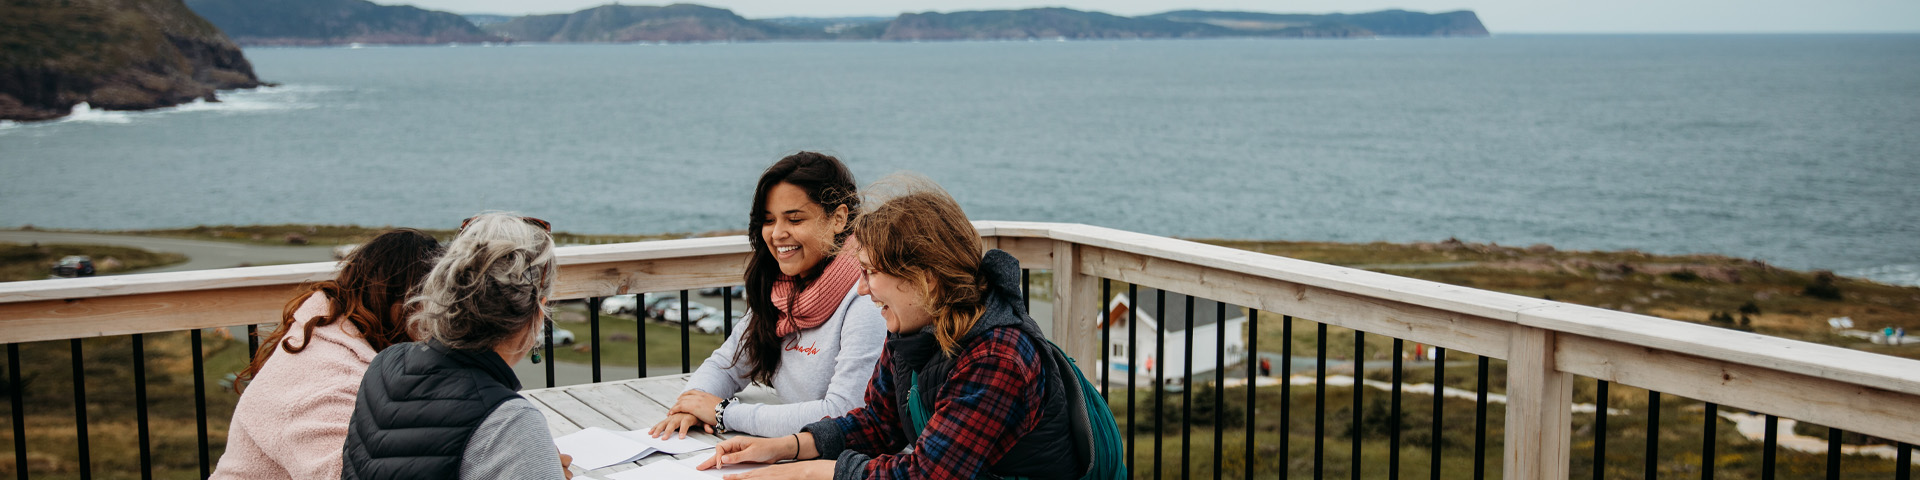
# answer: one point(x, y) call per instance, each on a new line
point(536, 356)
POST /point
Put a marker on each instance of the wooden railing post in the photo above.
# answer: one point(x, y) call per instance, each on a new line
point(1076, 309)
point(1539, 408)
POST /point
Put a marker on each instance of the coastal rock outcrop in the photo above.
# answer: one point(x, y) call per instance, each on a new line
point(111, 54)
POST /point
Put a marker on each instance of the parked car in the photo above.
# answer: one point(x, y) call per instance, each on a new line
point(561, 336)
point(710, 325)
point(736, 291)
point(670, 311)
point(74, 266)
point(619, 304)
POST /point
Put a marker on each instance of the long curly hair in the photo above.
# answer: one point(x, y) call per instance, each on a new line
point(370, 293)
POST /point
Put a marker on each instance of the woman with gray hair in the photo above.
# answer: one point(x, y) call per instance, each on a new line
point(448, 406)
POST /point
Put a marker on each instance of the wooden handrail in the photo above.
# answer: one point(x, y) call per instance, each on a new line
point(1544, 342)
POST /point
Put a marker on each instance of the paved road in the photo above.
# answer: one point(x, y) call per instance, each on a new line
point(201, 254)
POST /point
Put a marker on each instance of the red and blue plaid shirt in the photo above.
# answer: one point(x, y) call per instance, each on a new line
point(990, 401)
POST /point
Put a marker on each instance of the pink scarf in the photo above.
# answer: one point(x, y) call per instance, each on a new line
point(817, 303)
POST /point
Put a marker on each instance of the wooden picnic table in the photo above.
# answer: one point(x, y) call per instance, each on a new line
point(635, 404)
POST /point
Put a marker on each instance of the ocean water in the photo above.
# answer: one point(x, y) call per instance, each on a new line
point(1801, 150)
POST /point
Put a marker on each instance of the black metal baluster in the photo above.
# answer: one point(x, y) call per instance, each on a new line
point(593, 322)
point(1439, 398)
point(1710, 431)
point(253, 342)
point(1833, 453)
point(1186, 397)
point(1252, 355)
point(1903, 462)
point(726, 312)
point(1026, 289)
point(549, 349)
point(1106, 337)
point(1133, 365)
point(1653, 434)
point(640, 331)
point(1286, 395)
point(1480, 424)
point(19, 410)
point(140, 405)
point(80, 410)
point(1600, 431)
point(686, 340)
point(200, 402)
point(1359, 375)
point(1393, 416)
point(1159, 377)
point(1320, 402)
point(1768, 446)
point(1220, 382)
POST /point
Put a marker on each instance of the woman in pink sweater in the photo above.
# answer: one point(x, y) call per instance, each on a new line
point(298, 392)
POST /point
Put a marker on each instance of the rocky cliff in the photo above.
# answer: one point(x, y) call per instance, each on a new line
point(112, 54)
point(335, 22)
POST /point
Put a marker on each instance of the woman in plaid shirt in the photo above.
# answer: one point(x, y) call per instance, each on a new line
point(960, 344)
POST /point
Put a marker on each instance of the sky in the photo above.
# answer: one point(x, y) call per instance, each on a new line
point(1500, 16)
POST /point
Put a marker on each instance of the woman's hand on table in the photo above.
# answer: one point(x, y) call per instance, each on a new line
point(680, 423)
point(697, 403)
point(566, 461)
point(745, 449)
point(808, 470)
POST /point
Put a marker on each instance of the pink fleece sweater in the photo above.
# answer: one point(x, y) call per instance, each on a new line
point(291, 422)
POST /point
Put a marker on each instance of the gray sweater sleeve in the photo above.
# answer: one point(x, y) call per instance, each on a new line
point(512, 442)
point(863, 334)
point(719, 374)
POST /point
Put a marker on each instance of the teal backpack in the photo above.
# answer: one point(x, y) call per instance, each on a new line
point(1091, 418)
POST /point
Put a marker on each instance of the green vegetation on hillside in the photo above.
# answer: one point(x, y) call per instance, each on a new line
point(334, 22)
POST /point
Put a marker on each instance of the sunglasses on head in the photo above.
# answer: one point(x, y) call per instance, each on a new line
point(543, 224)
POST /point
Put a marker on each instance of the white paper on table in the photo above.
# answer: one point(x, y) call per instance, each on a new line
point(683, 469)
point(672, 446)
point(596, 448)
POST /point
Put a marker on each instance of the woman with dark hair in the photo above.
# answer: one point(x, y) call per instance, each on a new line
point(968, 387)
point(292, 416)
point(808, 333)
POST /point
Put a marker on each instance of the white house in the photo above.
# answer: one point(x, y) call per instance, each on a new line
point(1147, 336)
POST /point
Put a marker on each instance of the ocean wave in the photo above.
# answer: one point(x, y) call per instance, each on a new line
point(255, 101)
point(1905, 274)
point(84, 113)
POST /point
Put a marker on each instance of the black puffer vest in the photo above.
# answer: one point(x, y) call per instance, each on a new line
point(1051, 449)
point(418, 405)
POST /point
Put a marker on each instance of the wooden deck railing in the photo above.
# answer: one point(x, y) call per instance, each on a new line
point(1545, 344)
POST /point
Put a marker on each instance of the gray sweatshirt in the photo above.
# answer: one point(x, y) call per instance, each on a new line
point(823, 371)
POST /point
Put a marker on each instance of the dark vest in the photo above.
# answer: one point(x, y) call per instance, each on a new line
point(418, 406)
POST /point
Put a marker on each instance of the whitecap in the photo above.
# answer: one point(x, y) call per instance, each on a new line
point(84, 113)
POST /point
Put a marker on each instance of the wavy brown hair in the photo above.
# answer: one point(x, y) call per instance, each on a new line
point(827, 183)
point(369, 293)
point(921, 235)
